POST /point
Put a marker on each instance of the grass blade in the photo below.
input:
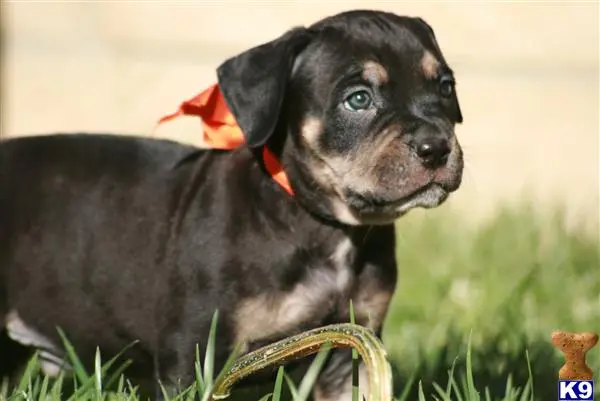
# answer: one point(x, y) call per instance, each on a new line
point(530, 381)
point(407, 388)
point(508, 388)
point(421, 394)
point(278, 384)
point(132, 390)
point(451, 377)
point(228, 363)
point(230, 360)
point(191, 396)
point(121, 384)
point(457, 392)
point(114, 359)
point(526, 395)
point(355, 361)
point(78, 368)
point(56, 392)
point(442, 393)
point(43, 394)
point(209, 357)
point(98, 374)
point(118, 374)
point(473, 393)
point(82, 382)
point(292, 387)
point(312, 373)
point(34, 391)
point(164, 392)
point(182, 394)
point(200, 385)
point(31, 370)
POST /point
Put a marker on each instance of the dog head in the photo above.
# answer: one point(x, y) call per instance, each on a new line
point(361, 108)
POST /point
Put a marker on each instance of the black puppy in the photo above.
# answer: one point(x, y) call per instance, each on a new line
point(116, 239)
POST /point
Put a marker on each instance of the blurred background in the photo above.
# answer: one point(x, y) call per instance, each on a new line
point(511, 257)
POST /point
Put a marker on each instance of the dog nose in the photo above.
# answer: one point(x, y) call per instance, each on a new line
point(433, 151)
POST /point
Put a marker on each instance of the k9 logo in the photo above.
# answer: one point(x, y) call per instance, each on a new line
point(575, 390)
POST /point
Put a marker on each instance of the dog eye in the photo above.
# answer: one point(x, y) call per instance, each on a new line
point(358, 101)
point(446, 87)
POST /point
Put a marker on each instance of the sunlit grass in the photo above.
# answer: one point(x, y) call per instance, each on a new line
point(99, 386)
point(504, 285)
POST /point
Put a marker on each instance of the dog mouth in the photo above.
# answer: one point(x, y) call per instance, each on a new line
point(428, 196)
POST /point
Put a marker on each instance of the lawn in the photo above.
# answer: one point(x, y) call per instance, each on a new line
point(476, 301)
point(510, 282)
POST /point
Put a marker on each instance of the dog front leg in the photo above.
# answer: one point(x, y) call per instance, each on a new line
point(371, 297)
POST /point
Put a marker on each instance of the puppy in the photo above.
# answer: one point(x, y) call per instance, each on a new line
point(116, 239)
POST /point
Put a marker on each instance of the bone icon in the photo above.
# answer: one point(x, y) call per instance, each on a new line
point(574, 346)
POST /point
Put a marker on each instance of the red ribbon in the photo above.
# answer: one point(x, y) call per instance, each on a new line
point(221, 131)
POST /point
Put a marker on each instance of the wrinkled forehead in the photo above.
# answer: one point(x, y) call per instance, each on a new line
point(376, 47)
point(379, 29)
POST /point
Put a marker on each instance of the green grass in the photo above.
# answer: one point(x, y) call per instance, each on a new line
point(471, 319)
point(98, 385)
point(507, 283)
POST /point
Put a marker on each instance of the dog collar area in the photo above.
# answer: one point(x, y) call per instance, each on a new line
point(221, 131)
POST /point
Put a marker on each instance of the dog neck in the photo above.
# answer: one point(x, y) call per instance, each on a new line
point(308, 207)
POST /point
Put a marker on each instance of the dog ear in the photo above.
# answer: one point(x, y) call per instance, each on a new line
point(253, 84)
point(459, 117)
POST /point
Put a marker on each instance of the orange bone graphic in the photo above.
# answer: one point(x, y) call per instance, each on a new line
point(574, 346)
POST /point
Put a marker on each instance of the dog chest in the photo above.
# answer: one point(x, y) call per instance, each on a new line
point(319, 293)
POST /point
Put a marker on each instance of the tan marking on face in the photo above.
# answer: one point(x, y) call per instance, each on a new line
point(360, 170)
point(327, 176)
point(375, 73)
point(430, 65)
point(311, 129)
point(271, 314)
